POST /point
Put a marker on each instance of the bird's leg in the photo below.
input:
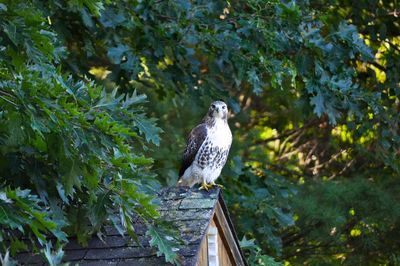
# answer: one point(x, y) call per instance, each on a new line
point(218, 185)
point(204, 185)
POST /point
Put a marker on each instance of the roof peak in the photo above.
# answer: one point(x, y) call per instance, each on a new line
point(189, 210)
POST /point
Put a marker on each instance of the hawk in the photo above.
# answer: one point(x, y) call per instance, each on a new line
point(207, 149)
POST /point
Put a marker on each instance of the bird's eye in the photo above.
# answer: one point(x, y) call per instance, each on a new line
point(213, 106)
point(224, 107)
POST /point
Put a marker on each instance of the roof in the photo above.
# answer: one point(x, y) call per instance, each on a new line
point(190, 210)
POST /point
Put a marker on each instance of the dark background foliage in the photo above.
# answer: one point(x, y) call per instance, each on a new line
point(97, 98)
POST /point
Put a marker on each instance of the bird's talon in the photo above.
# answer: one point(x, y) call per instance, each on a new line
point(217, 185)
point(204, 186)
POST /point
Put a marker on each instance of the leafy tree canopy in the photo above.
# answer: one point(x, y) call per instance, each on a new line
point(97, 95)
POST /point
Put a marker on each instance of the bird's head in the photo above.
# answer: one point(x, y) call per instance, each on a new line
point(218, 109)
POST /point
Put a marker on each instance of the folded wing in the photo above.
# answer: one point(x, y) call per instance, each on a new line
point(196, 139)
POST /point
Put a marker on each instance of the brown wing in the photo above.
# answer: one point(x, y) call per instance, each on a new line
point(196, 138)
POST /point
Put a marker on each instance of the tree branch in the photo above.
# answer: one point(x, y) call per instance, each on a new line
point(286, 134)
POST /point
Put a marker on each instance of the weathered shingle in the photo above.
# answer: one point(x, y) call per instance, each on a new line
point(189, 210)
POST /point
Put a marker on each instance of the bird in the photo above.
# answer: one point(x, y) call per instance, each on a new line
point(207, 149)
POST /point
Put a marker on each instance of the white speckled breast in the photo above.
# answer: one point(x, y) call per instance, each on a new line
point(213, 153)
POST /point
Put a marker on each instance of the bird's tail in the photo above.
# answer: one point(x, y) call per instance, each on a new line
point(182, 182)
point(185, 181)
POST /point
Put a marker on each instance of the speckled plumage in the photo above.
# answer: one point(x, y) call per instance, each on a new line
point(207, 148)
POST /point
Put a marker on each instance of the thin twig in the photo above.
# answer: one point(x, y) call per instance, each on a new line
point(347, 166)
point(288, 133)
point(7, 100)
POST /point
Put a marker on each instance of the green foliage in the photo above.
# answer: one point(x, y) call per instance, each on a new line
point(313, 86)
point(71, 152)
point(307, 106)
point(6, 260)
point(255, 256)
point(20, 210)
point(338, 217)
point(266, 196)
point(165, 242)
point(54, 258)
